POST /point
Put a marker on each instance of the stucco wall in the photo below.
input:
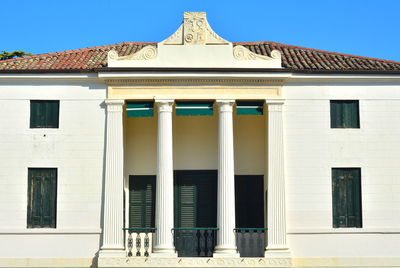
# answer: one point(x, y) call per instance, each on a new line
point(195, 141)
point(312, 148)
point(76, 149)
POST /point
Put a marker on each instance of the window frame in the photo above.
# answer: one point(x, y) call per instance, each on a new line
point(344, 114)
point(46, 120)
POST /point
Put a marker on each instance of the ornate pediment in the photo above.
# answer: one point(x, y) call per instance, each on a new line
point(194, 30)
point(195, 45)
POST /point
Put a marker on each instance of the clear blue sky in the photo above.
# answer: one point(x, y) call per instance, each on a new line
point(361, 27)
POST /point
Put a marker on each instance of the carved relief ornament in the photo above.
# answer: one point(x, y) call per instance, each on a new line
point(242, 53)
point(146, 53)
point(194, 30)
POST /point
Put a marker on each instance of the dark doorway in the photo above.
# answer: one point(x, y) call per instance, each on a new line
point(195, 197)
point(249, 201)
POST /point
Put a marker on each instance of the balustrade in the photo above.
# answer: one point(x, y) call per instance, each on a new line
point(139, 240)
point(250, 242)
point(195, 242)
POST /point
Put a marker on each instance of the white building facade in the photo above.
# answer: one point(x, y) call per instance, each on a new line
point(197, 152)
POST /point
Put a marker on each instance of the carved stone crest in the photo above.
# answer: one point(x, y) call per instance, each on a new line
point(194, 30)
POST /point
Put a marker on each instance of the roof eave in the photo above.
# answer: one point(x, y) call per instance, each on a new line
point(204, 70)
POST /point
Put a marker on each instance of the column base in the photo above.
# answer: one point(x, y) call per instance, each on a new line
point(277, 252)
point(225, 252)
point(164, 252)
point(111, 253)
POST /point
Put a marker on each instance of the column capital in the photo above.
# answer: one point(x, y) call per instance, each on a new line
point(164, 105)
point(225, 105)
point(275, 105)
point(225, 101)
point(164, 101)
point(110, 102)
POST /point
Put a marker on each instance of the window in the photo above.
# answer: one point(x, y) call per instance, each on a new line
point(345, 114)
point(346, 197)
point(44, 113)
point(42, 197)
point(142, 193)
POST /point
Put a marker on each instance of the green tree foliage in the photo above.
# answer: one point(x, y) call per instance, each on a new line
point(4, 55)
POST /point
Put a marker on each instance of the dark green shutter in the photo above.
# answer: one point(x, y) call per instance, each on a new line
point(44, 113)
point(249, 201)
point(195, 198)
point(142, 193)
point(140, 109)
point(42, 197)
point(249, 107)
point(346, 197)
point(345, 114)
point(194, 108)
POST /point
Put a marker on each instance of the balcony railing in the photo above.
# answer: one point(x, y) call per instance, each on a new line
point(139, 240)
point(195, 242)
point(250, 242)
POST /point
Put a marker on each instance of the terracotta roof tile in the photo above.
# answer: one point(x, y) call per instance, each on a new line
point(293, 57)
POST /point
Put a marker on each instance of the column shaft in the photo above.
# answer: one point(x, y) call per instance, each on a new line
point(113, 236)
point(226, 245)
point(165, 181)
point(277, 244)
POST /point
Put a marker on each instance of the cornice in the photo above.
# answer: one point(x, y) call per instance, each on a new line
point(166, 82)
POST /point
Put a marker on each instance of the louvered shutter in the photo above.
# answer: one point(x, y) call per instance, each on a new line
point(346, 193)
point(345, 114)
point(142, 201)
point(42, 198)
point(350, 114)
point(339, 198)
point(195, 198)
point(44, 113)
point(51, 113)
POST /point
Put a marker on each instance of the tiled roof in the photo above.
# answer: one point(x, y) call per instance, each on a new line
point(293, 58)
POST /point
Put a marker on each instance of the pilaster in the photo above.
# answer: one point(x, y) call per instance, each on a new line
point(276, 212)
point(113, 236)
point(226, 243)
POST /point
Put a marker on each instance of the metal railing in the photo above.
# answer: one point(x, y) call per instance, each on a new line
point(250, 242)
point(195, 242)
point(142, 241)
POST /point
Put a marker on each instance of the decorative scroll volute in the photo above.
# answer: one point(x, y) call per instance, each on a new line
point(242, 53)
point(146, 53)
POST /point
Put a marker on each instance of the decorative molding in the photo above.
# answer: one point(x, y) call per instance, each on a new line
point(242, 53)
point(194, 262)
point(147, 53)
point(190, 82)
point(44, 231)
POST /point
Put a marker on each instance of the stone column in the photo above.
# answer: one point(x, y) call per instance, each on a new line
point(113, 235)
point(164, 245)
point(226, 243)
point(276, 211)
